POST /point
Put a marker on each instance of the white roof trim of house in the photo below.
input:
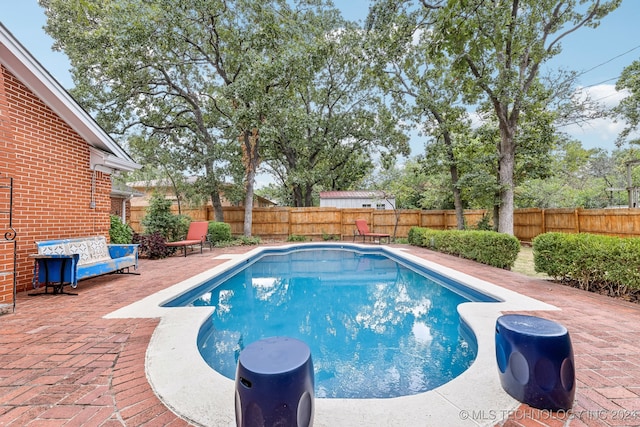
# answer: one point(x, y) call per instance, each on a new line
point(106, 162)
point(17, 59)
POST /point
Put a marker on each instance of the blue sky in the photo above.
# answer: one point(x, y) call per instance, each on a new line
point(601, 53)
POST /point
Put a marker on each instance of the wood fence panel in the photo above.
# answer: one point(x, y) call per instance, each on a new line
point(316, 222)
point(528, 223)
point(234, 216)
point(278, 223)
point(136, 213)
point(407, 218)
point(471, 218)
point(196, 214)
point(561, 221)
point(615, 222)
point(271, 223)
point(436, 220)
point(384, 221)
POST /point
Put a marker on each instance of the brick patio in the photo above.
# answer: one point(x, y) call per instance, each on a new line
point(63, 364)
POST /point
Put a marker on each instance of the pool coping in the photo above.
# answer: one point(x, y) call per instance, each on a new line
point(190, 388)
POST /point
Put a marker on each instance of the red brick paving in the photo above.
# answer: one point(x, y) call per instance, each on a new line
point(61, 363)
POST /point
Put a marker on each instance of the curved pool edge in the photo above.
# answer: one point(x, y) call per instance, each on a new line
point(189, 387)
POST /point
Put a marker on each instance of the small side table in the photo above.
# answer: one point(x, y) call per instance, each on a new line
point(535, 361)
point(54, 272)
point(274, 384)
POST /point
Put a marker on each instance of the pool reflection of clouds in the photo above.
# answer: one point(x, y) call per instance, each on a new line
point(372, 307)
point(422, 333)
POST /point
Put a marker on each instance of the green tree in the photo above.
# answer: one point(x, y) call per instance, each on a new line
point(199, 77)
point(499, 48)
point(448, 56)
point(336, 120)
point(419, 80)
point(629, 107)
point(408, 183)
point(160, 219)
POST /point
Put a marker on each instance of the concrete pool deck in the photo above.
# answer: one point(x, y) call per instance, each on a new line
point(80, 360)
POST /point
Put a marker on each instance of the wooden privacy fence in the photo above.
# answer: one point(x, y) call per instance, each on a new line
point(278, 223)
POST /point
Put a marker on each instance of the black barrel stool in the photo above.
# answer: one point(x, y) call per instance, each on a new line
point(274, 384)
point(535, 361)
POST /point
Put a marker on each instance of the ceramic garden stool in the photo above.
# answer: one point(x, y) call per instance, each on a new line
point(274, 384)
point(535, 361)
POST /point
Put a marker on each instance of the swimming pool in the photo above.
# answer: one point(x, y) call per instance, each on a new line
point(185, 383)
point(376, 327)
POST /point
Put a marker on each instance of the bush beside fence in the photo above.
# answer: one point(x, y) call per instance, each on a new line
point(605, 264)
point(488, 247)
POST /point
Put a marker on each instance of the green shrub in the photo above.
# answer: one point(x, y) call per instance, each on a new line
point(160, 219)
point(589, 259)
point(119, 232)
point(415, 236)
point(484, 223)
point(488, 247)
point(152, 246)
point(296, 238)
point(327, 237)
point(248, 241)
point(219, 232)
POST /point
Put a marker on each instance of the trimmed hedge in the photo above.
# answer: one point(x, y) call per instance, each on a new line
point(589, 259)
point(488, 247)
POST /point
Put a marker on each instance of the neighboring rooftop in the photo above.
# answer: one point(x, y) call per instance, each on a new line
point(361, 194)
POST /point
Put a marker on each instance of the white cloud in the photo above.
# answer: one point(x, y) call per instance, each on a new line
point(606, 94)
point(601, 132)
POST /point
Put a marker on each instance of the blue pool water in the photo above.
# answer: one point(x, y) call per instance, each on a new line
point(377, 327)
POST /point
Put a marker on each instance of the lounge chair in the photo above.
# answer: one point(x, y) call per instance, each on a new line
point(195, 236)
point(363, 230)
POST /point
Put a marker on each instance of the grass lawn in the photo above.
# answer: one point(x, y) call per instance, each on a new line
point(524, 263)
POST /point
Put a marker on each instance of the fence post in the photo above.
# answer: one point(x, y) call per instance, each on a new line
point(576, 214)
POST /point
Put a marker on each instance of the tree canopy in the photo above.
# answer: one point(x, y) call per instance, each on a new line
point(493, 52)
point(629, 107)
point(219, 86)
point(223, 90)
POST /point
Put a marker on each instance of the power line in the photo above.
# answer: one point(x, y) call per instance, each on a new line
point(607, 61)
point(599, 83)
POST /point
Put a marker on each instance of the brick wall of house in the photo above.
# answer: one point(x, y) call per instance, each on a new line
point(116, 208)
point(53, 182)
point(7, 159)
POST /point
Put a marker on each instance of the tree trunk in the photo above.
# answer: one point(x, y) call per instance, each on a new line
point(453, 170)
point(297, 196)
point(218, 213)
point(248, 206)
point(496, 216)
point(302, 195)
point(505, 175)
point(251, 161)
point(308, 196)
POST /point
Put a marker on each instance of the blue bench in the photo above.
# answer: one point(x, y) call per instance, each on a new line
point(66, 261)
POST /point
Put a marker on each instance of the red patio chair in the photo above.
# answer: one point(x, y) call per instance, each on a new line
point(363, 230)
point(195, 236)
